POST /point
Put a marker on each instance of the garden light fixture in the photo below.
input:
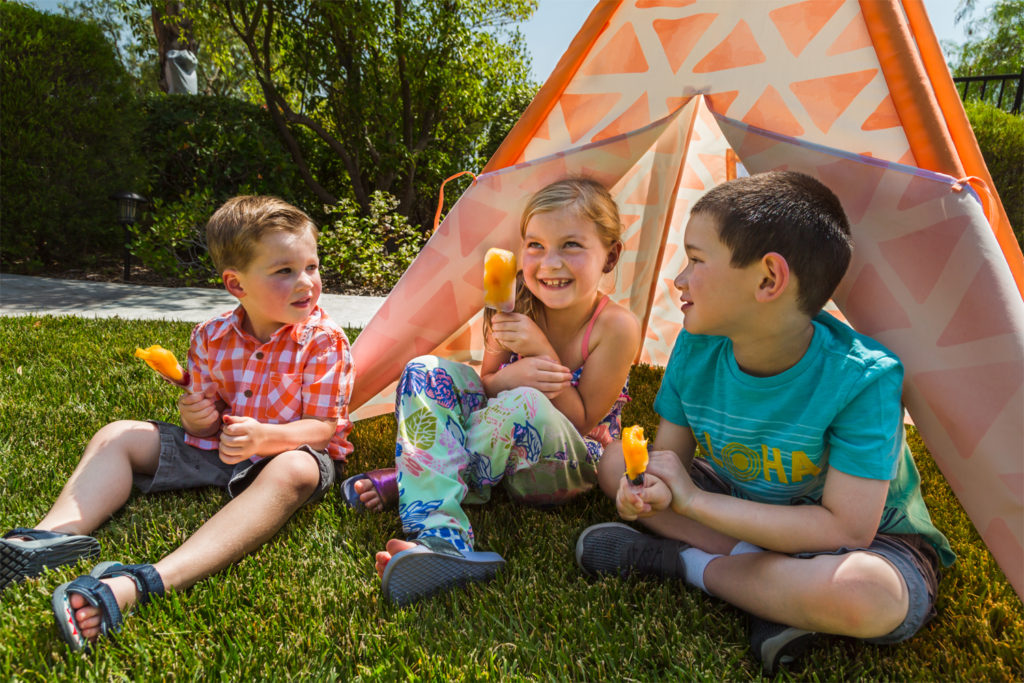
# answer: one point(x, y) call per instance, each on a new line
point(128, 204)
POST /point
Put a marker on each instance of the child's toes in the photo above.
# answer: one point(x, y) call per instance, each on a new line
point(381, 560)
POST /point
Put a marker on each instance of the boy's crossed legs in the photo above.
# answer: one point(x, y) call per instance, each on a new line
point(102, 482)
point(882, 594)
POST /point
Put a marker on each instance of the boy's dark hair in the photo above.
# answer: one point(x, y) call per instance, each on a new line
point(235, 229)
point(789, 213)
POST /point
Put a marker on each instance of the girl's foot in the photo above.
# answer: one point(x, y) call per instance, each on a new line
point(88, 616)
point(392, 548)
point(368, 494)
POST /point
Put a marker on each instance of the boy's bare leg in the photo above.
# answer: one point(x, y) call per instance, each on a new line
point(102, 481)
point(858, 594)
point(244, 524)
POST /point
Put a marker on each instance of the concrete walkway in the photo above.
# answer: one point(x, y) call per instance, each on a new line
point(23, 295)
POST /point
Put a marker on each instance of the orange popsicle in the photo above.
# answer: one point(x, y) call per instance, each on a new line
point(163, 361)
point(634, 449)
point(500, 279)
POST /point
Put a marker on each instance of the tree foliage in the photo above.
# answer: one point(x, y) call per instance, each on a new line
point(995, 43)
point(402, 92)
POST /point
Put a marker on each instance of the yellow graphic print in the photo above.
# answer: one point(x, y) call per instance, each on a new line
point(745, 464)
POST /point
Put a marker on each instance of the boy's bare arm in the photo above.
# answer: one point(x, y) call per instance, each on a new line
point(848, 515)
point(244, 437)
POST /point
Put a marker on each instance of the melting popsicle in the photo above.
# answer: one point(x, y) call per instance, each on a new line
point(500, 279)
point(634, 450)
point(164, 362)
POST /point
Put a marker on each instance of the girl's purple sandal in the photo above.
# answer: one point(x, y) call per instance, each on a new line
point(385, 481)
point(99, 594)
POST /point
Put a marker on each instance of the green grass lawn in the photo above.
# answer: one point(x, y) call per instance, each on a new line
point(308, 604)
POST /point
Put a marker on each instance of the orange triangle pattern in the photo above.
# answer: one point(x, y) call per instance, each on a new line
point(678, 36)
point(978, 315)
point(884, 116)
point(636, 116)
point(622, 55)
point(854, 37)
point(738, 49)
point(582, 112)
point(798, 24)
point(825, 99)
point(919, 258)
point(770, 112)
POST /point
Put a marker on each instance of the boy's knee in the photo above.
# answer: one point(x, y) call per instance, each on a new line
point(296, 471)
point(126, 436)
point(869, 597)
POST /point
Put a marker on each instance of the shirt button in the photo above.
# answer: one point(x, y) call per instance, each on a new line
point(248, 393)
point(259, 355)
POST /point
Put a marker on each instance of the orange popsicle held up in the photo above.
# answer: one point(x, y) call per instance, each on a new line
point(164, 362)
point(634, 450)
point(500, 280)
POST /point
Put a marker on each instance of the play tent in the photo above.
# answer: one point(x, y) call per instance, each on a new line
point(663, 99)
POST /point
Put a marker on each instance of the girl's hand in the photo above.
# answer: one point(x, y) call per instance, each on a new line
point(539, 372)
point(666, 466)
point(200, 412)
point(654, 497)
point(240, 438)
point(520, 334)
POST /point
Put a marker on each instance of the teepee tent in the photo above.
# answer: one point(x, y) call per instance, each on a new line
point(658, 99)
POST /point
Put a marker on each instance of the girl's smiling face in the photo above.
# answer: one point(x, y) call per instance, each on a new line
point(563, 258)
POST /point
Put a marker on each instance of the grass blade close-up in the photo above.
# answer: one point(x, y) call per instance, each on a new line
point(308, 603)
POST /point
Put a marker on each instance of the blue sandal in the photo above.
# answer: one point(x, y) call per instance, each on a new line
point(20, 559)
point(433, 566)
point(99, 594)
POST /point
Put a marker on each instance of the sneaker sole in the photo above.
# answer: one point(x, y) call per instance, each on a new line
point(586, 532)
point(419, 572)
point(785, 648)
point(22, 560)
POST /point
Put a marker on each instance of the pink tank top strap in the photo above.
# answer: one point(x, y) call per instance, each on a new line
point(590, 326)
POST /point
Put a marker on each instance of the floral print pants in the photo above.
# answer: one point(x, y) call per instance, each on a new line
point(454, 445)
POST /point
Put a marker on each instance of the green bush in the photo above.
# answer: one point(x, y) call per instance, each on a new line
point(1001, 139)
point(201, 151)
point(68, 130)
point(367, 254)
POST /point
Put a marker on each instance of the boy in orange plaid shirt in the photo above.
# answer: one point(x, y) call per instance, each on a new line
point(265, 415)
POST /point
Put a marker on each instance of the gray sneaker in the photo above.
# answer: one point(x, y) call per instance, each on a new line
point(613, 548)
point(777, 644)
point(22, 559)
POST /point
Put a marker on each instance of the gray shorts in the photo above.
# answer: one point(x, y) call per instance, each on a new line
point(911, 555)
point(182, 466)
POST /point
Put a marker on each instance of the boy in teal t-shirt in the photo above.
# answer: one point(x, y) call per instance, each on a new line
point(806, 509)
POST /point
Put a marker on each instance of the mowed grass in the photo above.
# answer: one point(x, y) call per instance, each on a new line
point(308, 604)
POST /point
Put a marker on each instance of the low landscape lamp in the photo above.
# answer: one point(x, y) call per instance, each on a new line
point(128, 204)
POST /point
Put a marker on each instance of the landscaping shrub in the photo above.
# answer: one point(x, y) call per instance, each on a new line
point(1001, 139)
point(201, 151)
point(68, 129)
point(366, 254)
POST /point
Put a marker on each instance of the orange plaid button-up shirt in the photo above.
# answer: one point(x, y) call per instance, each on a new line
point(305, 370)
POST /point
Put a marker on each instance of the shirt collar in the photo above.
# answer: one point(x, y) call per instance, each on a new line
point(233, 322)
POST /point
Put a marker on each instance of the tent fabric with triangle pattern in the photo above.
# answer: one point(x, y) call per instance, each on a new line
point(659, 98)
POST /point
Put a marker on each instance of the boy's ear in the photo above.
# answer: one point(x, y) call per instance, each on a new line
point(232, 283)
point(774, 277)
point(613, 257)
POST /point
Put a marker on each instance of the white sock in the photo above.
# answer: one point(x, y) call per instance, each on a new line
point(742, 548)
point(695, 561)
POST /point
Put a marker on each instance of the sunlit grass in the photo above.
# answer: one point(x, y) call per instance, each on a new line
point(308, 604)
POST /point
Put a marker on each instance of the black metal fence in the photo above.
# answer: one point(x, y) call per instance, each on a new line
point(994, 97)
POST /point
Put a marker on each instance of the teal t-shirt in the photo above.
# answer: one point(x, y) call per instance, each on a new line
point(774, 438)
